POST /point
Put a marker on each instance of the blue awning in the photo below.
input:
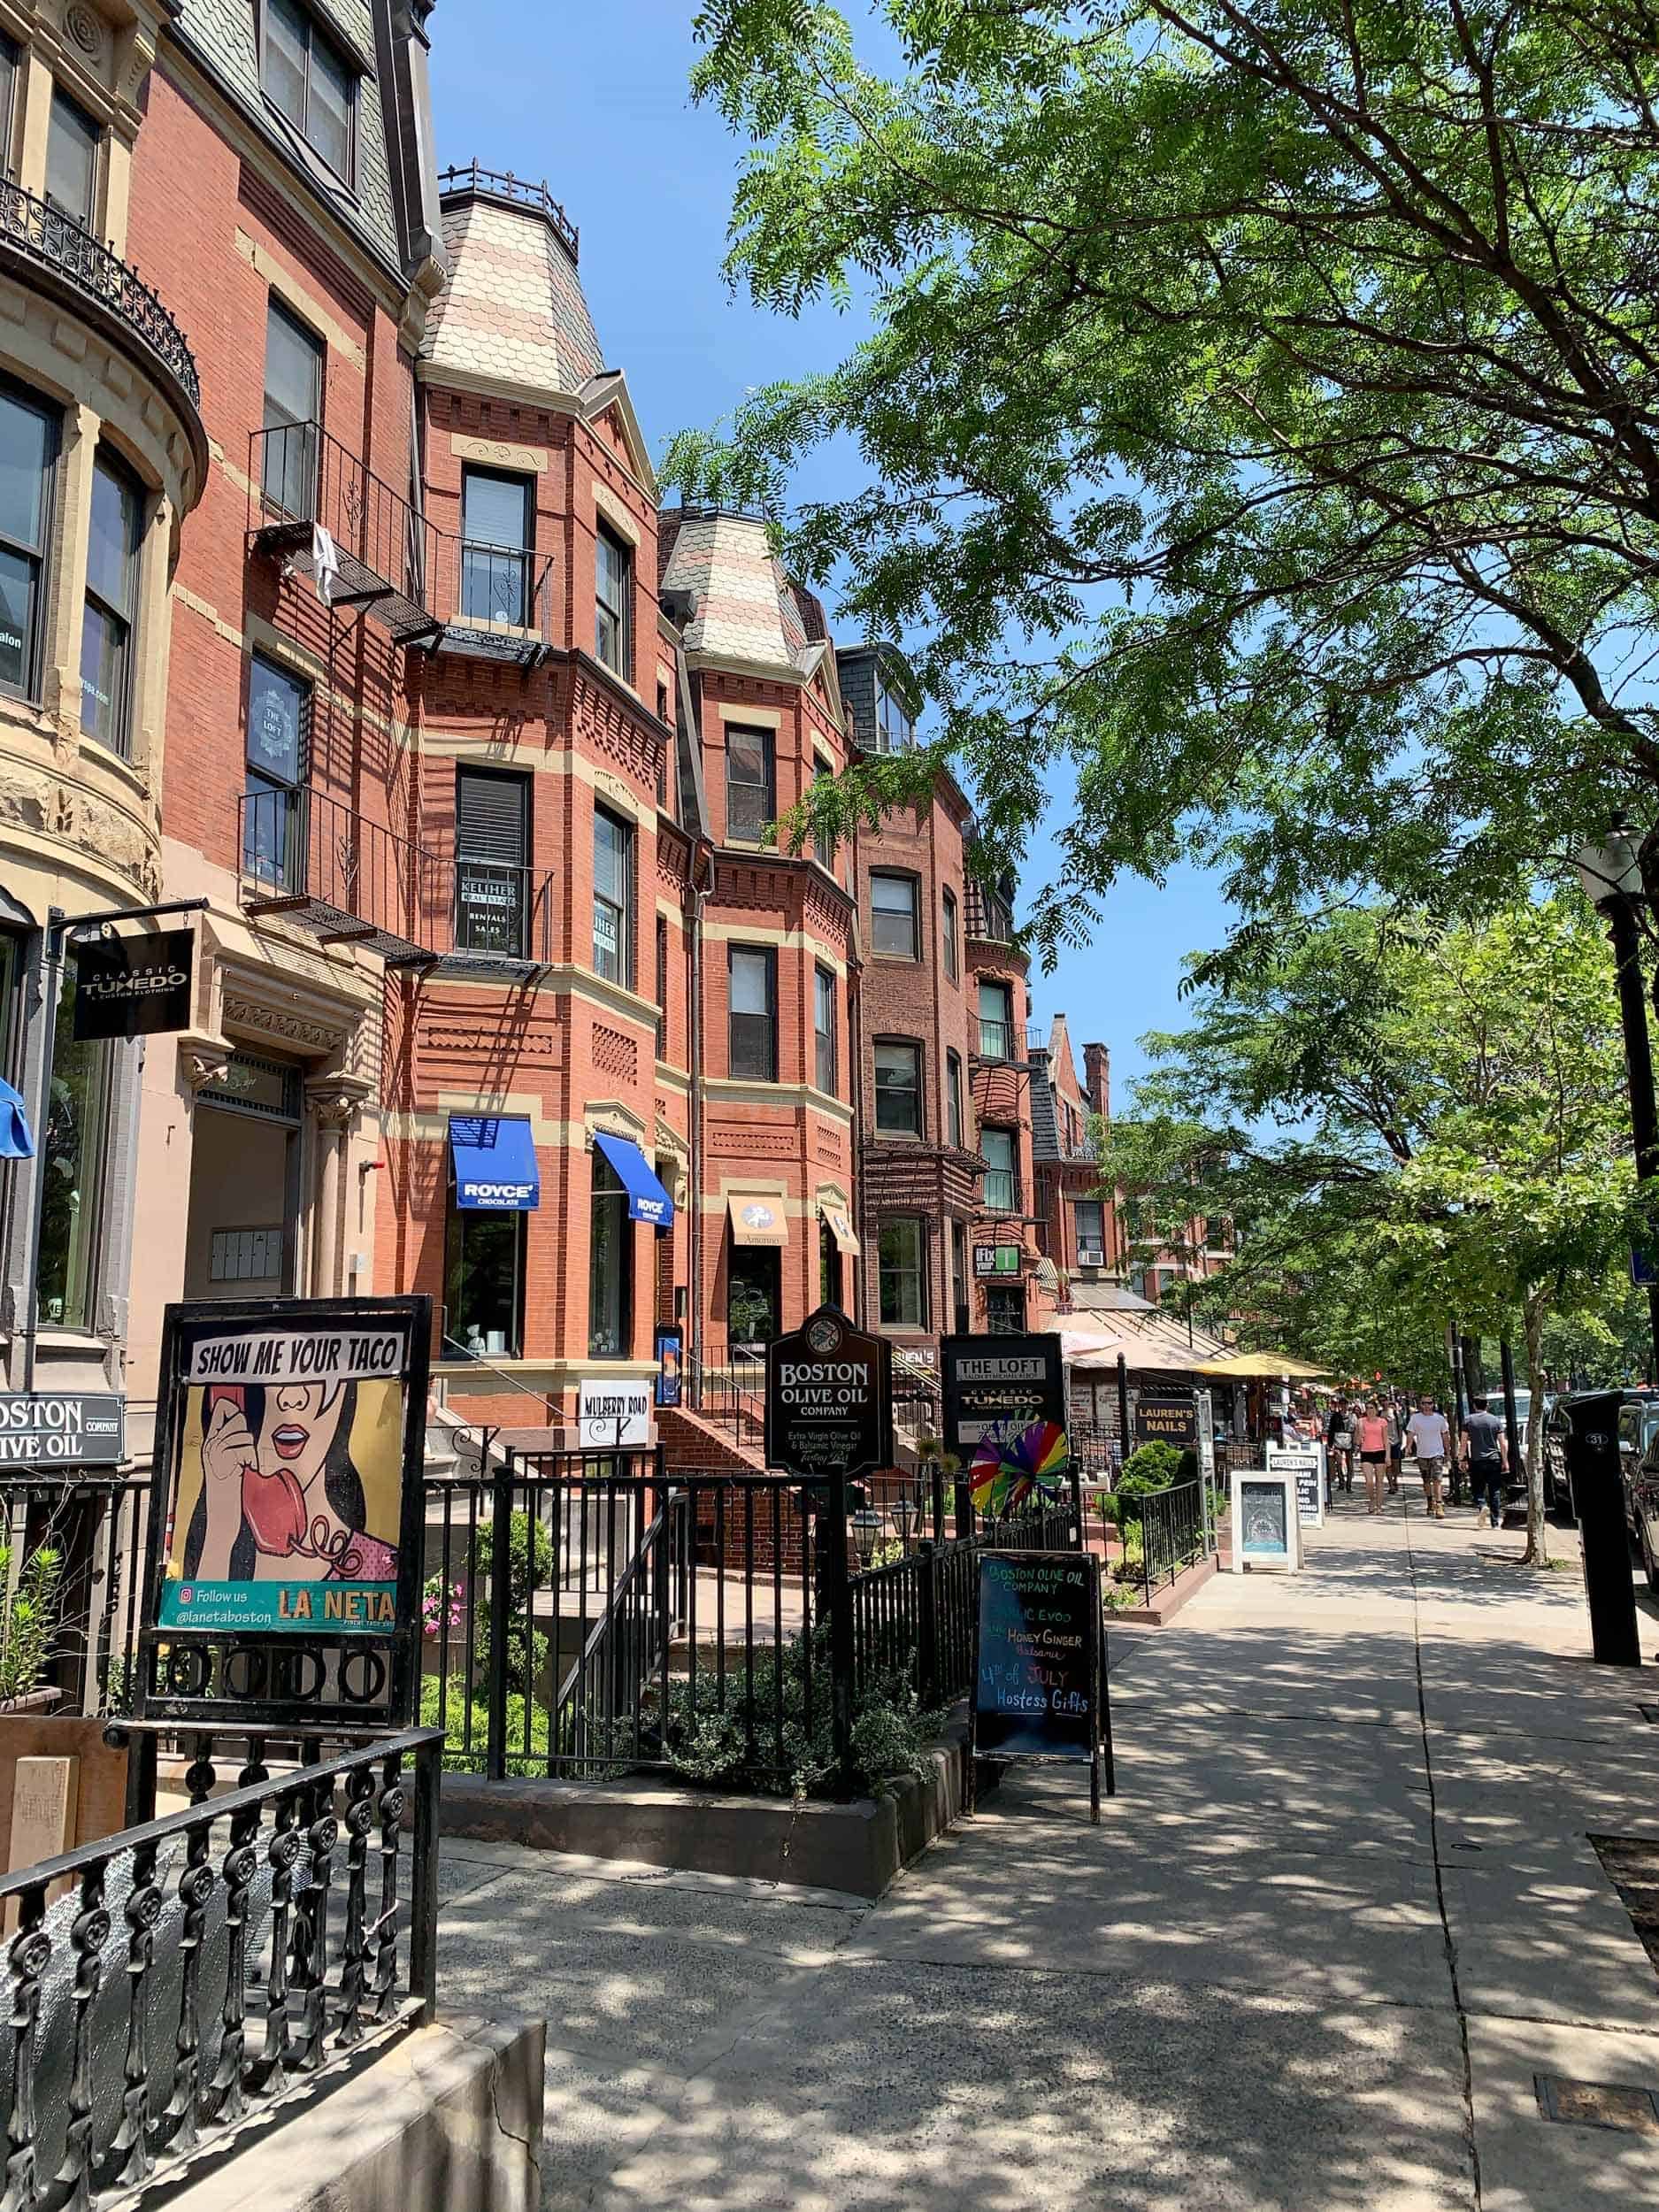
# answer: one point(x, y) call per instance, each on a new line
point(16, 1141)
point(647, 1201)
point(495, 1163)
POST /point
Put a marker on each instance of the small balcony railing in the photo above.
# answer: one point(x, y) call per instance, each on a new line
point(999, 1192)
point(348, 880)
point(429, 589)
point(53, 239)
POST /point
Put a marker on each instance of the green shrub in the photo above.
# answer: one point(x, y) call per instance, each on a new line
point(30, 1624)
point(529, 1566)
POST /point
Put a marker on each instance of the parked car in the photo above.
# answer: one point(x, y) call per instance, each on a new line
point(1641, 1510)
point(1638, 1432)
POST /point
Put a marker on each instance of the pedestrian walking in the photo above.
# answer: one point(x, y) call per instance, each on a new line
point(1431, 1439)
point(1370, 1434)
point(1339, 1446)
point(1486, 1456)
point(1395, 1440)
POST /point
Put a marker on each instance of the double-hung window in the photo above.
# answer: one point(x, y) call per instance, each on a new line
point(996, 1021)
point(613, 897)
point(753, 1012)
point(613, 591)
point(898, 1089)
point(824, 1028)
point(1002, 1183)
point(492, 837)
point(953, 1098)
point(74, 141)
point(1089, 1216)
point(292, 413)
point(10, 63)
point(29, 451)
point(497, 516)
point(273, 825)
point(894, 923)
point(901, 1266)
point(750, 783)
point(106, 635)
point(308, 77)
point(949, 931)
point(822, 847)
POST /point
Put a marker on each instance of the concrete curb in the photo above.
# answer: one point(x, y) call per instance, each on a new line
point(859, 1848)
point(445, 2119)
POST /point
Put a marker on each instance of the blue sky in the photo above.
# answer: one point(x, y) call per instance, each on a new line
point(599, 108)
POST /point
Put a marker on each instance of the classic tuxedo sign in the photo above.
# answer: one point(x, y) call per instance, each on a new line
point(133, 987)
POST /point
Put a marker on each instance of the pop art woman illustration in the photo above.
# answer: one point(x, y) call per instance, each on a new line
point(280, 1497)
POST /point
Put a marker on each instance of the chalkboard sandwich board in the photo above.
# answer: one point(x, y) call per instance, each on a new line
point(1038, 1664)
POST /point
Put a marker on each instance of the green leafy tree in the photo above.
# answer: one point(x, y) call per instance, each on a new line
point(1260, 416)
point(1404, 1124)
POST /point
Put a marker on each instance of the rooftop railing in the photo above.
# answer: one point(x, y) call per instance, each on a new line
point(501, 184)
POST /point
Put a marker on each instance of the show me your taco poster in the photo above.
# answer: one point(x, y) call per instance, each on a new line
point(288, 1489)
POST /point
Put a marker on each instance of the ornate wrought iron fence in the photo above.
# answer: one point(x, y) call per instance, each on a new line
point(54, 238)
point(1174, 1533)
point(173, 1981)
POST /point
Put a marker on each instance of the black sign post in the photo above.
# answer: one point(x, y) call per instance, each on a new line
point(829, 1419)
point(1598, 1498)
point(1040, 1687)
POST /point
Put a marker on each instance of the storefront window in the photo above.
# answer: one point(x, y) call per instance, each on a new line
point(610, 1266)
point(483, 1287)
point(73, 1149)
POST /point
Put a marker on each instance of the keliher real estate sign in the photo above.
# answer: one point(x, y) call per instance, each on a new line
point(288, 1500)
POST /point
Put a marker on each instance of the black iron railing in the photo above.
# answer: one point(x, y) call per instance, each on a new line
point(56, 241)
point(501, 184)
point(1175, 1533)
point(186, 1974)
point(96, 1529)
point(637, 1614)
point(727, 1384)
point(349, 880)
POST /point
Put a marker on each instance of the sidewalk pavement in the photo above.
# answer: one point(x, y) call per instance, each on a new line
point(1342, 1912)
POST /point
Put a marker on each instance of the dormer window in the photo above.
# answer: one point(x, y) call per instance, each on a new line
point(895, 732)
point(309, 80)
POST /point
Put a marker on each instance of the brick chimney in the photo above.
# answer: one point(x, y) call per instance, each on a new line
point(1097, 1078)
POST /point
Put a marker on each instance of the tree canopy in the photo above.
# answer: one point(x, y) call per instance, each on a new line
point(1260, 415)
point(1407, 1125)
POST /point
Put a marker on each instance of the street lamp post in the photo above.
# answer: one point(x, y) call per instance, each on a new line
point(1612, 880)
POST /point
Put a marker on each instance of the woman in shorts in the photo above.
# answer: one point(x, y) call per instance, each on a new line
point(1371, 1435)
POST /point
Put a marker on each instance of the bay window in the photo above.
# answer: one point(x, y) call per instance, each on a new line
point(28, 454)
point(609, 1265)
point(902, 1272)
point(111, 605)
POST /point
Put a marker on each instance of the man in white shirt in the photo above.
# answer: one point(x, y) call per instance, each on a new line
point(1432, 1441)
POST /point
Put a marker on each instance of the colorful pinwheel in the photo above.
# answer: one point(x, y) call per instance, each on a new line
point(1013, 1458)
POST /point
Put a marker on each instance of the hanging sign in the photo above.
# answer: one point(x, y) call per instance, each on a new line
point(996, 1259)
point(133, 987)
point(614, 1416)
point(288, 1505)
point(1167, 1421)
point(829, 1399)
point(1038, 1664)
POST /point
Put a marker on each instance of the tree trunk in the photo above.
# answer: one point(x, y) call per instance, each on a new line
point(1533, 1309)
